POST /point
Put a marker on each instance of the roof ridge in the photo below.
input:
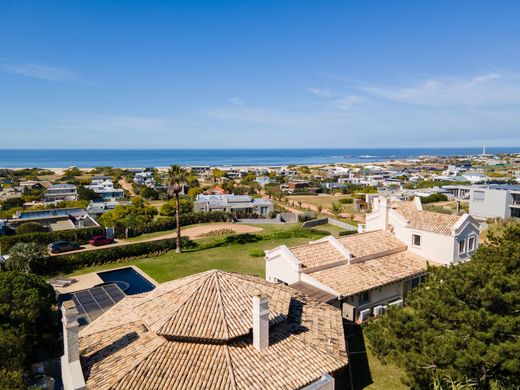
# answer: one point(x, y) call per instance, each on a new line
point(221, 304)
point(230, 366)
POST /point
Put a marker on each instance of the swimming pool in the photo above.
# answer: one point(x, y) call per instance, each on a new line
point(128, 279)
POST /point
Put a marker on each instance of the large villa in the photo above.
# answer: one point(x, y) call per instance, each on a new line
point(212, 330)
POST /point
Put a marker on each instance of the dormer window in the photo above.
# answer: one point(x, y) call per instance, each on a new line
point(416, 240)
point(471, 243)
point(462, 246)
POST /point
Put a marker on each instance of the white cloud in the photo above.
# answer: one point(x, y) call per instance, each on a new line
point(482, 90)
point(236, 101)
point(39, 71)
point(346, 102)
point(320, 92)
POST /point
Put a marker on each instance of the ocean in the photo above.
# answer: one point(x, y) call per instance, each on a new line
point(17, 158)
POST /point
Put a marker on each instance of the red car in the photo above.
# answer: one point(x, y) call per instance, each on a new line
point(101, 240)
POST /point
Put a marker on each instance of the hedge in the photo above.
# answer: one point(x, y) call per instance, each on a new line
point(169, 223)
point(68, 262)
point(346, 200)
point(347, 232)
point(81, 236)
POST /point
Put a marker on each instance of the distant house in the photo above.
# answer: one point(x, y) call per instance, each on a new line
point(60, 192)
point(98, 208)
point(29, 185)
point(263, 180)
point(233, 204)
point(98, 179)
point(106, 191)
point(494, 201)
point(475, 177)
point(55, 219)
point(10, 192)
point(212, 330)
point(144, 178)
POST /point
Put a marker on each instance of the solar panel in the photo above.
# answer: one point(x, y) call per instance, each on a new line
point(93, 302)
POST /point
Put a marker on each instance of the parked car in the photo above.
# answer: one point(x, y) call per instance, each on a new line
point(63, 246)
point(101, 240)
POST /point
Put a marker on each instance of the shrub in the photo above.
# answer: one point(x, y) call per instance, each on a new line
point(81, 236)
point(256, 253)
point(346, 200)
point(218, 232)
point(347, 232)
point(434, 198)
point(27, 257)
point(30, 227)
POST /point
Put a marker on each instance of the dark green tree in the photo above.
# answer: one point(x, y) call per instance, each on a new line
point(463, 323)
point(27, 257)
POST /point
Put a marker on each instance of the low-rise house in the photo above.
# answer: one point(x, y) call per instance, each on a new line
point(475, 177)
point(29, 185)
point(356, 273)
point(10, 192)
point(97, 208)
point(55, 219)
point(106, 191)
point(235, 204)
point(60, 192)
point(364, 273)
point(98, 179)
point(144, 178)
point(212, 330)
point(494, 201)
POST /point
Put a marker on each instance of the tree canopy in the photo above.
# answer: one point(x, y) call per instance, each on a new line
point(25, 314)
point(463, 323)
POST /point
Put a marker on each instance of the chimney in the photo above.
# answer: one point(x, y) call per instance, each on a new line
point(71, 372)
point(260, 322)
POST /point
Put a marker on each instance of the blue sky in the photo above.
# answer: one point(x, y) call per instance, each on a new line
point(234, 74)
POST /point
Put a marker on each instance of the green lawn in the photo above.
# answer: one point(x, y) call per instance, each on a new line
point(368, 372)
point(229, 258)
point(332, 229)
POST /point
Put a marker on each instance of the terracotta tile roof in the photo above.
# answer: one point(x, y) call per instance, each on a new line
point(425, 220)
point(371, 243)
point(120, 351)
point(317, 254)
point(350, 279)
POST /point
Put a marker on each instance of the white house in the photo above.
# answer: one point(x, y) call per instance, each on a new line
point(105, 189)
point(366, 272)
point(494, 201)
point(230, 203)
point(60, 192)
point(443, 238)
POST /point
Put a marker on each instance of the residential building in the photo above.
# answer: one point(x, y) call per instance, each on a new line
point(263, 180)
point(242, 204)
point(356, 273)
point(144, 178)
point(100, 207)
point(212, 330)
point(106, 191)
point(494, 201)
point(29, 185)
point(443, 238)
point(55, 219)
point(98, 179)
point(364, 273)
point(10, 192)
point(60, 192)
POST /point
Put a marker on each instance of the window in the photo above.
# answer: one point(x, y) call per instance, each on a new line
point(364, 297)
point(416, 240)
point(471, 243)
point(479, 195)
point(462, 246)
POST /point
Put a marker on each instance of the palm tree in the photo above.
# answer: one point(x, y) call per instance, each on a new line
point(177, 178)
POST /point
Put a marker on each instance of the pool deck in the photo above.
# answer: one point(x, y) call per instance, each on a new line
point(92, 279)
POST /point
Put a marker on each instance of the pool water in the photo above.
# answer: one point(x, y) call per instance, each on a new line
point(128, 279)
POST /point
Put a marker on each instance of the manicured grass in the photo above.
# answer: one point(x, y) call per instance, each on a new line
point(234, 258)
point(368, 372)
point(332, 229)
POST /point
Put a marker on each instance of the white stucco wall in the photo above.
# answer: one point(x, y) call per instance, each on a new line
point(279, 268)
point(494, 205)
